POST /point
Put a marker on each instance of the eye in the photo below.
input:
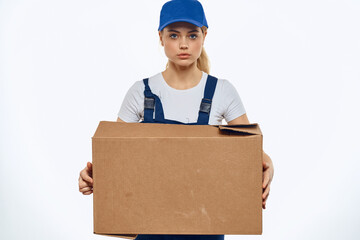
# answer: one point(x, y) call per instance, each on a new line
point(173, 35)
point(193, 36)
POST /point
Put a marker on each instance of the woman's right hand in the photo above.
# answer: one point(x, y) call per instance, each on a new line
point(85, 180)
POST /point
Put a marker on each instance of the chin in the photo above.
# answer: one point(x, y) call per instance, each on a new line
point(184, 63)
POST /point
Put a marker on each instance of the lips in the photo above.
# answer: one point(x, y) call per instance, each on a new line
point(184, 55)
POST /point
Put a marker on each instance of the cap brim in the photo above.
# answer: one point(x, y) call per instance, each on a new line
point(196, 23)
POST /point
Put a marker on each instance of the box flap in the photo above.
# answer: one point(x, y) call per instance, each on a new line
point(248, 129)
point(126, 236)
point(108, 129)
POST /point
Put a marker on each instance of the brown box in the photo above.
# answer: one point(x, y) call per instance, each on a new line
point(152, 178)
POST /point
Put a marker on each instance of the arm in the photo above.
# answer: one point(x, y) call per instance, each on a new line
point(119, 120)
point(268, 167)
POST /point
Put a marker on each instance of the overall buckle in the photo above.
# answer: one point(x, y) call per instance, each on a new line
point(149, 103)
point(205, 106)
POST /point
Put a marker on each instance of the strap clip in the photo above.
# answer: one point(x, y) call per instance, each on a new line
point(205, 106)
point(149, 103)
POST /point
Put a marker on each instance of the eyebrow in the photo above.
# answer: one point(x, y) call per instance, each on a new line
point(172, 30)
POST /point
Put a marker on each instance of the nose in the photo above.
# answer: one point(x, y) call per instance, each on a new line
point(183, 43)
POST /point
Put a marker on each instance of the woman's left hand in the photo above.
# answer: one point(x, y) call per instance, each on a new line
point(268, 173)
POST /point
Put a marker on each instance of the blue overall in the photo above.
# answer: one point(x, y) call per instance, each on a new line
point(151, 103)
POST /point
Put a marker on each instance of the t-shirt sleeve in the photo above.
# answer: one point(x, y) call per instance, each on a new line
point(234, 107)
point(133, 103)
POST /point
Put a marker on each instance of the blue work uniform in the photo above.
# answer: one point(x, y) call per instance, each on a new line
point(151, 103)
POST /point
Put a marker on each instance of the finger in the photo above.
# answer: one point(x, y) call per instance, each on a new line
point(89, 166)
point(264, 201)
point(266, 192)
point(264, 205)
point(83, 184)
point(266, 179)
point(85, 189)
point(84, 175)
point(88, 192)
point(265, 165)
point(267, 196)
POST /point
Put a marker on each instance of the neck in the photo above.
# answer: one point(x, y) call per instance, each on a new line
point(182, 77)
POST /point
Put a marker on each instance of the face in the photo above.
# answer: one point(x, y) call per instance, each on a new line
point(182, 38)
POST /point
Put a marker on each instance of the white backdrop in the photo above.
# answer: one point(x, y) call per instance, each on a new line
point(66, 65)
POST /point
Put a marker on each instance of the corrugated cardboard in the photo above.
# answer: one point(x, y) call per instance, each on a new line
point(177, 179)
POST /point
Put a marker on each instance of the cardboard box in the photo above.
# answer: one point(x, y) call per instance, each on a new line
point(177, 179)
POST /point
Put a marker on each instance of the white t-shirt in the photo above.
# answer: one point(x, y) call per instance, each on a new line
point(183, 105)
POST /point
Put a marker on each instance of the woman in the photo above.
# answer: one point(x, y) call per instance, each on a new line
point(184, 93)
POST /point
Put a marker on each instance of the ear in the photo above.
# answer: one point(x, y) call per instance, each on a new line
point(162, 44)
point(204, 37)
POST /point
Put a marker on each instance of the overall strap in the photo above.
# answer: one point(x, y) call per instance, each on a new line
point(151, 102)
point(205, 106)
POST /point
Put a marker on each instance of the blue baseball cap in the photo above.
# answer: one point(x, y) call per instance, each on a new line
point(190, 11)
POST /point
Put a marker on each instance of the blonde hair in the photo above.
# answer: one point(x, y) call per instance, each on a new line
point(203, 62)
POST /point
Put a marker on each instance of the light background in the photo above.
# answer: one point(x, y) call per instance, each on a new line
point(66, 65)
